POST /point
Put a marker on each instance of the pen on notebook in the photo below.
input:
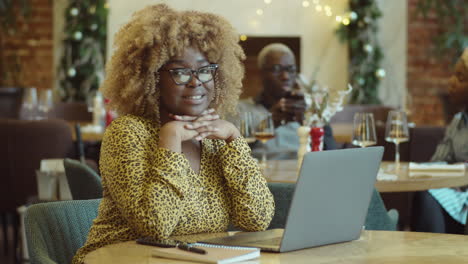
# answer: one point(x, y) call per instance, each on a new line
point(187, 247)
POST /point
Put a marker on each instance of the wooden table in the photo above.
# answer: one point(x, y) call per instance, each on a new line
point(286, 171)
point(372, 247)
point(85, 136)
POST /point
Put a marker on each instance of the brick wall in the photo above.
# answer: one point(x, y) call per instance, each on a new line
point(427, 74)
point(33, 46)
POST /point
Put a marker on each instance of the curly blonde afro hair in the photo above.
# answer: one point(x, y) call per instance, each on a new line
point(154, 35)
point(458, 88)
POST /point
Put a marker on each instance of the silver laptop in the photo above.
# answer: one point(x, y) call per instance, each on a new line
point(329, 204)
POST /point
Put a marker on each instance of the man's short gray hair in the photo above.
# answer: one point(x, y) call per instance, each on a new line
point(270, 48)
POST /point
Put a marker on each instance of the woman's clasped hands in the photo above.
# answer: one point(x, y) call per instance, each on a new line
point(207, 125)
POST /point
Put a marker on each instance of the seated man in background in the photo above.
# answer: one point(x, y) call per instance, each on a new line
point(281, 97)
point(445, 210)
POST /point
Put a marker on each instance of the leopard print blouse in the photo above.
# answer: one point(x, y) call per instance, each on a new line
point(152, 191)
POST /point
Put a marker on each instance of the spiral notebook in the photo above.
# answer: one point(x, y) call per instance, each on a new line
point(214, 253)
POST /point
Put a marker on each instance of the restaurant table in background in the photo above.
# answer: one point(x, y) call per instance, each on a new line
point(86, 135)
point(372, 247)
point(286, 171)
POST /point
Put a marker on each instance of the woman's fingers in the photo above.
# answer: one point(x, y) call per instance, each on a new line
point(196, 125)
point(205, 134)
point(205, 115)
point(209, 117)
point(183, 117)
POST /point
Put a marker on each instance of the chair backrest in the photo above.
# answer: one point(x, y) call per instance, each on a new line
point(83, 181)
point(56, 230)
point(389, 148)
point(72, 111)
point(347, 114)
point(282, 194)
point(423, 142)
point(10, 102)
point(450, 109)
point(23, 145)
point(377, 216)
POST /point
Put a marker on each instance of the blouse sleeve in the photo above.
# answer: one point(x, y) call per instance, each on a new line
point(147, 183)
point(252, 202)
point(444, 150)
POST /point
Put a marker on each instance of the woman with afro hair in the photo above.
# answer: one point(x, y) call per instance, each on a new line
point(170, 164)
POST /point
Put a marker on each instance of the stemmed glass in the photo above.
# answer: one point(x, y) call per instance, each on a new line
point(396, 132)
point(265, 131)
point(246, 127)
point(364, 130)
point(45, 104)
point(29, 104)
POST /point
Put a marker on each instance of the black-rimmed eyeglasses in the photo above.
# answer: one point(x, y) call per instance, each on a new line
point(183, 76)
point(278, 68)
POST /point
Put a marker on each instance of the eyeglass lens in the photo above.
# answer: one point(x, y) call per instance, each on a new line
point(184, 76)
point(277, 68)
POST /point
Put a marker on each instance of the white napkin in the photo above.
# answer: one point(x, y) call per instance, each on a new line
point(439, 169)
point(52, 165)
point(92, 129)
point(50, 176)
point(382, 176)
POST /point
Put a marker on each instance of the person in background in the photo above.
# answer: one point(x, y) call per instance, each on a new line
point(445, 210)
point(282, 97)
point(170, 165)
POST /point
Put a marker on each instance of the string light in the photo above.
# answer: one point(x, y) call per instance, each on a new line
point(74, 11)
point(243, 37)
point(328, 10)
point(345, 21)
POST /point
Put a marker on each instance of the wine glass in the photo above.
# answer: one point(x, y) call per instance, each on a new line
point(29, 104)
point(246, 127)
point(90, 100)
point(265, 131)
point(45, 104)
point(364, 130)
point(396, 132)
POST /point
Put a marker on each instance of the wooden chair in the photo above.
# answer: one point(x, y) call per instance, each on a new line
point(23, 145)
point(10, 102)
point(72, 111)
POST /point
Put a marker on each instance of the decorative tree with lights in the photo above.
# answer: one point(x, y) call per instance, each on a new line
point(359, 30)
point(81, 68)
